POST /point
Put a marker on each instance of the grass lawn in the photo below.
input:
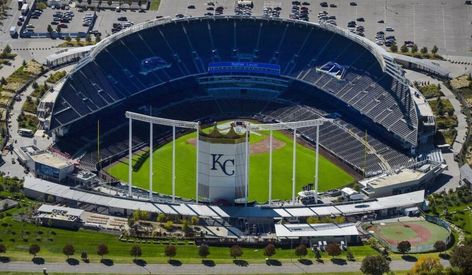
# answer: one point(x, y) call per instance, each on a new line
point(331, 176)
point(154, 5)
point(18, 236)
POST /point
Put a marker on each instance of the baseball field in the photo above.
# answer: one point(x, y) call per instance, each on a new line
point(330, 175)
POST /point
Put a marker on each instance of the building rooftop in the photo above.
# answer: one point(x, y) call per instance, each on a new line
point(405, 175)
point(44, 186)
point(315, 230)
point(50, 159)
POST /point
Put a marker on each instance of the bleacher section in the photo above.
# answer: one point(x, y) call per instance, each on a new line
point(112, 74)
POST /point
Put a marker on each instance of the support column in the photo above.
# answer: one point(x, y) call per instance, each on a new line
point(246, 167)
point(173, 163)
point(317, 161)
point(150, 159)
point(196, 164)
point(294, 164)
point(270, 167)
point(130, 158)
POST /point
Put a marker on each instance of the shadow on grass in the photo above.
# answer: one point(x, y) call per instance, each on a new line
point(72, 261)
point(240, 262)
point(86, 261)
point(107, 262)
point(305, 261)
point(174, 262)
point(4, 259)
point(320, 261)
point(409, 258)
point(273, 262)
point(338, 261)
point(209, 263)
point(140, 262)
point(38, 260)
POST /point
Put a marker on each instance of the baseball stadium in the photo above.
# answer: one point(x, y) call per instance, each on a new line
point(210, 70)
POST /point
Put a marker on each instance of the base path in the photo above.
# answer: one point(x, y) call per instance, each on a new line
point(287, 268)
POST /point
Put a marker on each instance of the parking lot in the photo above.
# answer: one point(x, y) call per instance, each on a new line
point(105, 19)
point(446, 24)
point(70, 21)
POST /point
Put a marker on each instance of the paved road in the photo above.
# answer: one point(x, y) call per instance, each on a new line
point(451, 177)
point(287, 268)
point(15, 169)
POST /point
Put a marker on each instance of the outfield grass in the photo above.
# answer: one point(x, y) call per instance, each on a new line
point(331, 176)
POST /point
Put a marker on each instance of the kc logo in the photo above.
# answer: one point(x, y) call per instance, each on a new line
point(216, 160)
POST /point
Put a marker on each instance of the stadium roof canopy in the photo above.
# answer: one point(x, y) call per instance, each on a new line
point(315, 230)
point(190, 209)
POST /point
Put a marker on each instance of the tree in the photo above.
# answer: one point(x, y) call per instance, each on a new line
point(58, 29)
point(440, 106)
point(375, 265)
point(84, 256)
point(169, 225)
point(394, 48)
point(3, 248)
point(7, 49)
point(339, 219)
point(138, 214)
point(313, 220)
point(404, 48)
point(404, 247)
point(235, 251)
point(414, 48)
point(424, 50)
point(109, 2)
point(427, 265)
point(435, 50)
point(269, 250)
point(317, 255)
point(34, 250)
point(170, 251)
point(68, 38)
point(195, 220)
point(135, 251)
point(77, 39)
point(460, 257)
point(301, 251)
point(333, 249)
point(440, 246)
point(98, 38)
point(102, 250)
point(203, 250)
point(161, 217)
point(350, 256)
point(88, 38)
point(68, 250)
point(49, 29)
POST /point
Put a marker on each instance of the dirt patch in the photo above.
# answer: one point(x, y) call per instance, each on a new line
point(258, 147)
point(423, 234)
